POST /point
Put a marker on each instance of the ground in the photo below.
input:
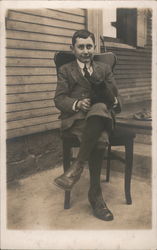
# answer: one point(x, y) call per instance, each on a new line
point(36, 203)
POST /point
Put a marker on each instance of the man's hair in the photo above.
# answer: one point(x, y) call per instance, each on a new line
point(82, 34)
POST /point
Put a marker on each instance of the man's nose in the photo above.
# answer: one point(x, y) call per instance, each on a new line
point(85, 50)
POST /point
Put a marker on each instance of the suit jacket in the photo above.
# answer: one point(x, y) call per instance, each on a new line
point(72, 86)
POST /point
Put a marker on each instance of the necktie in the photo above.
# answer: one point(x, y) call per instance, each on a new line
point(86, 73)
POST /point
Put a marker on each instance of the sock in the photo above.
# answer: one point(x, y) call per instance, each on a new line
point(95, 165)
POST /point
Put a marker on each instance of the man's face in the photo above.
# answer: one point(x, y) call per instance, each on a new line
point(84, 49)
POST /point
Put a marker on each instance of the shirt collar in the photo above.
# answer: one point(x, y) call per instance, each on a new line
point(81, 65)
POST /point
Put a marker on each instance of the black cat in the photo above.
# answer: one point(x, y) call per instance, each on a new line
point(101, 92)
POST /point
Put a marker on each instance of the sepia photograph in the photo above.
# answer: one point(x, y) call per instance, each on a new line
point(79, 124)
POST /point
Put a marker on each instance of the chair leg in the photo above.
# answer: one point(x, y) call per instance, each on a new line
point(128, 170)
point(66, 165)
point(108, 164)
point(67, 200)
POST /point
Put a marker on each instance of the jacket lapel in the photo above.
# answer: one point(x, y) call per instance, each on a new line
point(80, 79)
point(78, 76)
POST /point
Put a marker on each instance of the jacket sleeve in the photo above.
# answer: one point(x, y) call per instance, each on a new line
point(62, 98)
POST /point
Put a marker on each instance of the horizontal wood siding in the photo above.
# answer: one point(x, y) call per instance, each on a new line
point(133, 70)
point(33, 37)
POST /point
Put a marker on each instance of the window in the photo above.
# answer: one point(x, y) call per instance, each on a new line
point(126, 25)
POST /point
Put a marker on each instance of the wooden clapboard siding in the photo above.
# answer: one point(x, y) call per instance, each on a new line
point(133, 70)
point(32, 38)
point(20, 80)
point(16, 53)
point(20, 44)
point(33, 129)
point(25, 114)
point(131, 82)
point(11, 71)
point(13, 107)
point(27, 88)
point(36, 28)
point(13, 34)
point(22, 62)
point(25, 97)
point(73, 15)
point(27, 18)
point(32, 121)
point(14, 79)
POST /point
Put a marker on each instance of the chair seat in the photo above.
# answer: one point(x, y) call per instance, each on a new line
point(119, 136)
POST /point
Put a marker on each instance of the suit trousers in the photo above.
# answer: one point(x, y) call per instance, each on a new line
point(89, 131)
point(95, 164)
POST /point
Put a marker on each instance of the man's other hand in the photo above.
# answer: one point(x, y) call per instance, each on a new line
point(84, 104)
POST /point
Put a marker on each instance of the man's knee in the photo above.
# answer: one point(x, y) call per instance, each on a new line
point(99, 109)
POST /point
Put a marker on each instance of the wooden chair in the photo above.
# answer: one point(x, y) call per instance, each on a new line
point(119, 137)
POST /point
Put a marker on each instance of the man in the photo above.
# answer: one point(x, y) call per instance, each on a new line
point(89, 120)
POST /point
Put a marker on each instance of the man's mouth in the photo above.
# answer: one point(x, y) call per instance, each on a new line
point(85, 57)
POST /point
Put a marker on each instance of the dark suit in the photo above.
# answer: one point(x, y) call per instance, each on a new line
point(72, 86)
point(89, 126)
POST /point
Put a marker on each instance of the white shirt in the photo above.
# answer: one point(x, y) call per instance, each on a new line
point(88, 65)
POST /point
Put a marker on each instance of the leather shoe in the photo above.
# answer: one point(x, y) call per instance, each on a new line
point(67, 180)
point(100, 209)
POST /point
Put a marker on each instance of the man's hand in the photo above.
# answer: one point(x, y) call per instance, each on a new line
point(84, 104)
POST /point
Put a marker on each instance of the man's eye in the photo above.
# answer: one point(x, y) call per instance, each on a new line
point(89, 46)
point(81, 47)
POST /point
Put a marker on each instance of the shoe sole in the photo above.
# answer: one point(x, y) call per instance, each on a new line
point(61, 187)
point(109, 219)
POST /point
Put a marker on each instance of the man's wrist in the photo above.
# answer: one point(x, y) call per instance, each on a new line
point(115, 102)
point(75, 106)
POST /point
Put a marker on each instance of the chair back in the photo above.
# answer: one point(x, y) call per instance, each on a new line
point(107, 58)
point(63, 57)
